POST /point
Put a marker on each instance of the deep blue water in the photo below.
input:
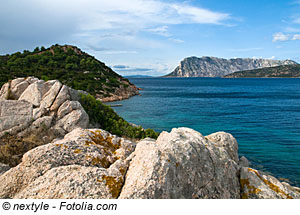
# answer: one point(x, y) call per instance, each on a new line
point(262, 114)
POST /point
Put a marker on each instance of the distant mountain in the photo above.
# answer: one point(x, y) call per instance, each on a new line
point(219, 67)
point(286, 71)
point(138, 76)
point(72, 67)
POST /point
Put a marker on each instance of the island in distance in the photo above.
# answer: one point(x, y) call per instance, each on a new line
point(285, 71)
point(220, 67)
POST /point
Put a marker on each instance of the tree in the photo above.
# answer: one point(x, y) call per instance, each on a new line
point(37, 49)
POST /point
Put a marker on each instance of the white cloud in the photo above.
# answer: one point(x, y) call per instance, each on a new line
point(285, 37)
point(162, 31)
point(296, 37)
point(114, 14)
point(280, 37)
point(199, 15)
point(103, 28)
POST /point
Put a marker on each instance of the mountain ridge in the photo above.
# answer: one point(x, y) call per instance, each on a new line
point(218, 67)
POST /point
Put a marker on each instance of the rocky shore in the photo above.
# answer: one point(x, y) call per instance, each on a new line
point(70, 159)
point(121, 93)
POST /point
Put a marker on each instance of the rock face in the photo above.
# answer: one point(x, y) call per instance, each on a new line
point(28, 105)
point(15, 115)
point(219, 67)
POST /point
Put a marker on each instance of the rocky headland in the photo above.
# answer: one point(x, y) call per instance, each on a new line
point(66, 157)
point(219, 67)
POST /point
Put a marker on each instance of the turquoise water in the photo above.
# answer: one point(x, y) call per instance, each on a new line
point(262, 114)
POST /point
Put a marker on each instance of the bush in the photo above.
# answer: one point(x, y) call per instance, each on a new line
point(110, 121)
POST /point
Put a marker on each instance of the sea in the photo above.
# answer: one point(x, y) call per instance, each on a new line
point(263, 114)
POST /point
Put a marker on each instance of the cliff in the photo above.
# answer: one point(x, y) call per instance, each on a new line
point(286, 71)
point(219, 67)
point(58, 153)
point(72, 67)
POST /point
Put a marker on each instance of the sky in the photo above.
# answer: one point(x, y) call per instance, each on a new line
point(151, 37)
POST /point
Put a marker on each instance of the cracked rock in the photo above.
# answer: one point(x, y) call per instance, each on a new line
point(183, 164)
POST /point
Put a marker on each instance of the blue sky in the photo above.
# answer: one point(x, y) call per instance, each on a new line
point(151, 37)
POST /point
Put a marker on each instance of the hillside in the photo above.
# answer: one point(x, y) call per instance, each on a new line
point(219, 67)
point(287, 71)
point(72, 67)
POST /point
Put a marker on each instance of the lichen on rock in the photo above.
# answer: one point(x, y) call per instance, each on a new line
point(258, 185)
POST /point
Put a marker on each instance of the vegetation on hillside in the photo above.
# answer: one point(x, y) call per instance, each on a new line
point(286, 71)
point(107, 119)
point(67, 64)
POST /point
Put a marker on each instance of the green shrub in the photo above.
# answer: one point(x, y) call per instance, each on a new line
point(110, 121)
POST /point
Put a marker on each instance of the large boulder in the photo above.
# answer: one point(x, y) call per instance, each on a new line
point(85, 164)
point(76, 119)
point(62, 96)
point(34, 93)
point(18, 86)
point(258, 185)
point(184, 164)
point(50, 96)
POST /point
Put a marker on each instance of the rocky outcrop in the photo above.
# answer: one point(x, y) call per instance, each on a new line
point(30, 104)
point(219, 67)
point(184, 164)
point(34, 112)
point(124, 91)
point(91, 163)
point(85, 164)
point(258, 185)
